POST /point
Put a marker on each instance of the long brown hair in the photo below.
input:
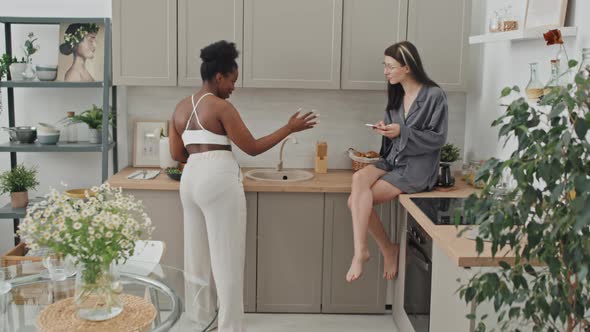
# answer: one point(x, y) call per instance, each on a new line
point(406, 54)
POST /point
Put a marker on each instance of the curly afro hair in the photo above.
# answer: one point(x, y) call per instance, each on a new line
point(219, 57)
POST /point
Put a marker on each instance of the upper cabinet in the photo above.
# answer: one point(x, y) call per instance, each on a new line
point(292, 44)
point(315, 44)
point(200, 23)
point(368, 28)
point(144, 42)
point(440, 30)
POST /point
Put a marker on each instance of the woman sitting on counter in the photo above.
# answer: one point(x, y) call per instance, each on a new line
point(414, 130)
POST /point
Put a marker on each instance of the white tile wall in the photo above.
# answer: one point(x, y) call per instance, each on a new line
point(342, 113)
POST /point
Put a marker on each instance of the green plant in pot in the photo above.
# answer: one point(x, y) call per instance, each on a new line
point(18, 181)
point(536, 203)
point(93, 118)
point(449, 153)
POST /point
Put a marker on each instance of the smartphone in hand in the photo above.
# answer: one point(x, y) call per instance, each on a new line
point(370, 125)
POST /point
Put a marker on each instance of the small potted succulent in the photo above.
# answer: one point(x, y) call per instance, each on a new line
point(17, 182)
point(449, 154)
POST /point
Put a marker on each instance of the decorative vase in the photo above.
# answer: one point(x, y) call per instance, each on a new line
point(19, 199)
point(97, 292)
point(94, 136)
point(165, 157)
point(563, 66)
point(17, 70)
point(445, 178)
point(29, 73)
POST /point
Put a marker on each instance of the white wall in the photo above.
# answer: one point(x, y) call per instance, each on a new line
point(343, 113)
point(500, 64)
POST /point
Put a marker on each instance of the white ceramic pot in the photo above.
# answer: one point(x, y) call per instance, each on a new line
point(17, 70)
point(165, 157)
point(94, 136)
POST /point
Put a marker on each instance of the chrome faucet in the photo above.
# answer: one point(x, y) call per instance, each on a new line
point(280, 164)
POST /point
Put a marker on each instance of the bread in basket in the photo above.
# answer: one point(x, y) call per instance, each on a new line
point(360, 159)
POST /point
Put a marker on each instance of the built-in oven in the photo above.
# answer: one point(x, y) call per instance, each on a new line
point(418, 276)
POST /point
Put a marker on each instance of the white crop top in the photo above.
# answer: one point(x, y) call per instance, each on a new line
point(201, 136)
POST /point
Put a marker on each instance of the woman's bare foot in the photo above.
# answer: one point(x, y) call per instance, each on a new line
point(390, 262)
point(356, 267)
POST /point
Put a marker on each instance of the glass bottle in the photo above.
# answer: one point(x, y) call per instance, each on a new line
point(554, 80)
point(494, 25)
point(71, 129)
point(585, 64)
point(534, 89)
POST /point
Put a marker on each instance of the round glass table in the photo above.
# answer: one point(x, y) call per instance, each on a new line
point(27, 289)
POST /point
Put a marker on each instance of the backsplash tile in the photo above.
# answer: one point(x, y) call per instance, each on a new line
point(342, 118)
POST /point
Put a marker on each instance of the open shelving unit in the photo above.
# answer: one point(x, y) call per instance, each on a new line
point(528, 34)
point(109, 93)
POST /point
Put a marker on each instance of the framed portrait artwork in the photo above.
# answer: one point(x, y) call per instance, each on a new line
point(545, 13)
point(81, 52)
point(146, 142)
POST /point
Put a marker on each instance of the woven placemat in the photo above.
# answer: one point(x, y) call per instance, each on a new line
point(137, 315)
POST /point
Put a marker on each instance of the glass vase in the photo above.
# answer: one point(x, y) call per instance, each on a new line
point(563, 66)
point(534, 89)
point(97, 292)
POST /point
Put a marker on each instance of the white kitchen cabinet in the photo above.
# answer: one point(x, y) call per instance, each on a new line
point(292, 44)
point(144, 42)
point(440, 30)
point(368, 28)
point(200, 23)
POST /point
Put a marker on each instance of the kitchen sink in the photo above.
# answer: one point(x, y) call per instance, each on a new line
point(272, 175)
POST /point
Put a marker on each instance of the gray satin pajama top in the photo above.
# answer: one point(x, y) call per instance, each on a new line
point(411, 159)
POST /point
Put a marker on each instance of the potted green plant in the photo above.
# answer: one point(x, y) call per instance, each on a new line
point(536, 203)
point(93, 118)
point(17, 182)
point(449, 153)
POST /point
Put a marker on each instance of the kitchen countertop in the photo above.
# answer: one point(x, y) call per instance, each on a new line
point(460, 250)
point(335, 181)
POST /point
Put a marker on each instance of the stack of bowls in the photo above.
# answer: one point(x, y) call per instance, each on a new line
point(47, 134)
point(46, 72)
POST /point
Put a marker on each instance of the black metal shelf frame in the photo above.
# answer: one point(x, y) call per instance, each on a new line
point(105, 85)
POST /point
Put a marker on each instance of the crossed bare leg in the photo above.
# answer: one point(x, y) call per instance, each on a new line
point(367, 189)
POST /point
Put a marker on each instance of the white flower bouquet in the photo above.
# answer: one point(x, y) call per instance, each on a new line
point(96, 231)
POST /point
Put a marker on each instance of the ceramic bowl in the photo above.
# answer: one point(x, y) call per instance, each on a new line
point(173, 173)
point(48, 139)
point(46, 72)
point(79, 193)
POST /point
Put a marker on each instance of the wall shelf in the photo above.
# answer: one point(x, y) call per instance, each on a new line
point(59, 147)
point(528, 34)
point(49, 84)
point(8, 212)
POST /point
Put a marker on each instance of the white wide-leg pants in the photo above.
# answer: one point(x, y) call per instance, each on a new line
point(214, 207)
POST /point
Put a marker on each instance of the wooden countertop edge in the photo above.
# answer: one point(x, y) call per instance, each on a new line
point(460, 250)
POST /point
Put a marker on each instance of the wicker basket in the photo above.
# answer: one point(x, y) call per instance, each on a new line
point(360, 162)
point(16, 256)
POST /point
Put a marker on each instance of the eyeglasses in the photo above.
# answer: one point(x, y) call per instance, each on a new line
point(390, 66)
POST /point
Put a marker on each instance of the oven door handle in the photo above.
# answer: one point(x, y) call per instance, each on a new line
point(419, 259)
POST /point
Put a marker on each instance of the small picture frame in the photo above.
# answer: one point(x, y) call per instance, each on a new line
point(146, 143)
point(545, 13)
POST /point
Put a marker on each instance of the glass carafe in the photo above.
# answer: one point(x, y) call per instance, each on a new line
point(554, 81)
point(534, 89)
point(71, 129)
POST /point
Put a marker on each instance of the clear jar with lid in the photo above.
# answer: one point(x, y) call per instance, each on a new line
point(71, 129)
